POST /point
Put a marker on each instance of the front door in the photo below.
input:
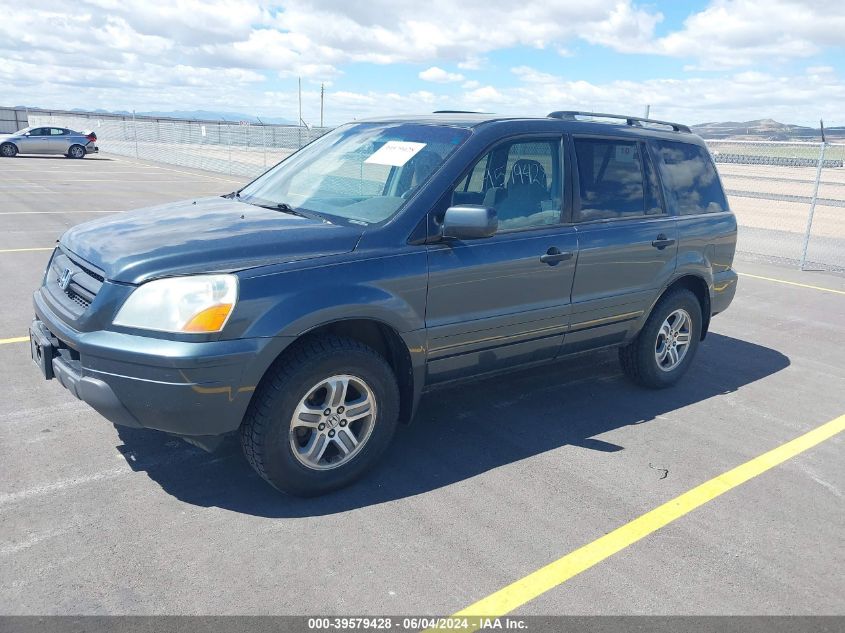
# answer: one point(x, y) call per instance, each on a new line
point(36, 142)
point(627, 241)
point(504, 300)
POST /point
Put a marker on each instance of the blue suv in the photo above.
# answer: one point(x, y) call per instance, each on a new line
point(309, 310)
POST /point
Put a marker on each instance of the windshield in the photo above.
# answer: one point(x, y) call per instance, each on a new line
point(359, 172)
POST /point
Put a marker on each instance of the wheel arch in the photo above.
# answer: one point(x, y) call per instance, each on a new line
point(387, 342)
point(699, 287)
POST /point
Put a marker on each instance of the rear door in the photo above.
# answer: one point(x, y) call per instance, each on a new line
point(627, 240)
point(504, 300)
point(57, 142)
point(706, 226)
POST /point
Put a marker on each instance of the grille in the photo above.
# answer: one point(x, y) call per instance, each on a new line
point(74, 284)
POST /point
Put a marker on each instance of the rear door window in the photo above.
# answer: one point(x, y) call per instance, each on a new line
point(610, 178)
point(690, 178)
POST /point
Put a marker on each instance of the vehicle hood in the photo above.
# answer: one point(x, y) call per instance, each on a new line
point(203, 235)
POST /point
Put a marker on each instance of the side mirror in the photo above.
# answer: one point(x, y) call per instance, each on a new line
point(469, 222)
point(27, 133)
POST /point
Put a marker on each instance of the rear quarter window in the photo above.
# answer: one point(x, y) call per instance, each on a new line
point(690, 178)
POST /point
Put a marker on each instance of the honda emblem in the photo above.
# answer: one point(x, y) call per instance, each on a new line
point(64, 280)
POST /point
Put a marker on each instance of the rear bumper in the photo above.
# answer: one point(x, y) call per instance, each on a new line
point(90, 148)
point(189, 389)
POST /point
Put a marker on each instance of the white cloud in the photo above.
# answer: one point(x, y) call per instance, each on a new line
point(440, 76)
point(526, 73)
point(185, 54)
point(472, 63)
point(741, 96)
point(733, 33)
point(627, 29)
point(300, 38)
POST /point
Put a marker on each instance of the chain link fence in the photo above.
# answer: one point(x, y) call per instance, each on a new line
point(789, 198)
point(238, 148)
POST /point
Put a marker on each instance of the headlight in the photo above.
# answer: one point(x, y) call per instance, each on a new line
point(200, 303)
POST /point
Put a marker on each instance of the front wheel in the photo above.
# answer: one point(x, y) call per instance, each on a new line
point(663, 350)
point(7, 150)
point(323, 415)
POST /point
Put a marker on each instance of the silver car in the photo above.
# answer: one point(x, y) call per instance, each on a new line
point(49, 140)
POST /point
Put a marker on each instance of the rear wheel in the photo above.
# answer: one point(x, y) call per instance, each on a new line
point(76, 151)
point(323, 415)
point(8, 150)
point(665, 347)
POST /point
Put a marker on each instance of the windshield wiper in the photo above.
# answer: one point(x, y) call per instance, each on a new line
point(284, 207)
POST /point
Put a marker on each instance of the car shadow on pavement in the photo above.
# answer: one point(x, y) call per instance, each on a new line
point(463, 430)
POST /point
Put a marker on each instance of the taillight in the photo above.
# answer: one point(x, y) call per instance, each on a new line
point(92, 137)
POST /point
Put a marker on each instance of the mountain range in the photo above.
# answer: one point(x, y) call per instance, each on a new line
point(203, 115)
point(766, 129)
point(759, 129)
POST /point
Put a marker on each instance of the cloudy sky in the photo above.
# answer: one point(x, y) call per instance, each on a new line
point(692, 61)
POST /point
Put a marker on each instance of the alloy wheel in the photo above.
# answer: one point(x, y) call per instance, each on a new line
point(673, 340)
point(333, 422)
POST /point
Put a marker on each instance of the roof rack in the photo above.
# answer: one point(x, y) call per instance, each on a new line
point(636, 121)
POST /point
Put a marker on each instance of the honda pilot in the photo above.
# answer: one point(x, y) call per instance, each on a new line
point(309, 310)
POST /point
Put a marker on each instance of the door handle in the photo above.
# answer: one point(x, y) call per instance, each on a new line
point(554, 255)
point(662, 242)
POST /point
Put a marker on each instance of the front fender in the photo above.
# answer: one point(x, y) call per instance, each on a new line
point(391, 290)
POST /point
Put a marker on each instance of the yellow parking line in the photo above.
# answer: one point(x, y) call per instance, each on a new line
point(27, 250)
point(19, 339)
point(539, 582)
point(792, 283)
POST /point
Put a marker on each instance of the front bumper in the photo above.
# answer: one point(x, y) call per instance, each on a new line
point(184, 388)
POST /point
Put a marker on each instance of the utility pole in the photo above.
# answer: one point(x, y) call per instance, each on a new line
point(300, 110)
point(322, 95)
point(647, 110)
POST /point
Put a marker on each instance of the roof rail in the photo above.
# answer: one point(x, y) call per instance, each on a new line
point(636, 121)
point(456, 112)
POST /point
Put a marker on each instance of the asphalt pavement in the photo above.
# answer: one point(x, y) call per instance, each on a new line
point(493, 480)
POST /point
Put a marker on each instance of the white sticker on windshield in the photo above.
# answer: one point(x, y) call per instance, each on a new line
point(395, 153)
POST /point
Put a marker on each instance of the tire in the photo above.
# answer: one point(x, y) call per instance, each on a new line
point(8, 150)
point(76, 151)
point(648, 359)
point(282, 451)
